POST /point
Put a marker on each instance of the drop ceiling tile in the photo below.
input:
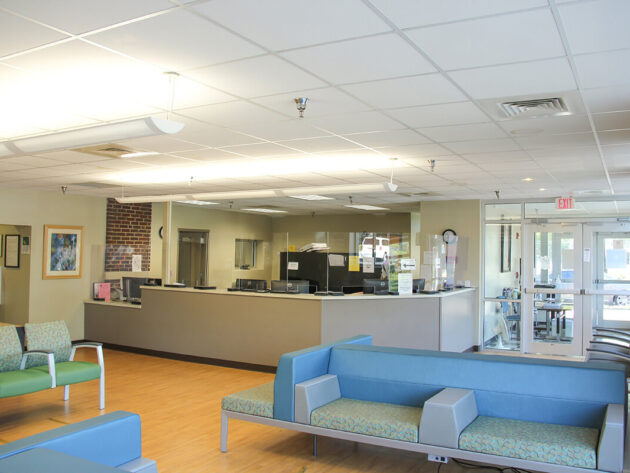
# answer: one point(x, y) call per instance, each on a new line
point(272, 76)
point(607, 99)
point(556, 141)
point(408, 13)
point(596, 26)
point(12, 166)
point(208, 135)
point(547, 76)
point(413, 151)
point(33, 161)
point(323, 101)
point(482, 146)
point(69, 156)
point(318, 145)
point(358, 60)
point(161, 144)
point(86, 15)
point(407, 91)
point(475, 131)
point(612, 121)
point(231, 114)
point(525, 36)
point(301, 22)
point(439, 115)
point(163, 160)
point(604, 69)
point(281, 130)
point(388, 138)
point(617, 152)
point(500, 157)
point(119, 165)
point(189, 93)
point(172, 41)
point(356, 123)
point(616, 137)
point(260, 150)
point(546, 126)
point(19, 34)
point(206, 155)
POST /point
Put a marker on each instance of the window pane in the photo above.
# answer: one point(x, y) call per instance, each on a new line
point(503, 260)
point(245, 254)
point(503, 211)
point(502, 325)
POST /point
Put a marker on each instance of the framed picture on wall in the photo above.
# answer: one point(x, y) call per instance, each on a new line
point(12, 251)
point(506, 248)
point(63, 251)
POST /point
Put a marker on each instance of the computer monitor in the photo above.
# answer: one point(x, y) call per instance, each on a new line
point(153, 282)
point(418, 285)
point(290, 287)
point(131, 288)
point(251, 284)
point(375, 286)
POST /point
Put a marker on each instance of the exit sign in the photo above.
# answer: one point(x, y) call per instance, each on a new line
point(565, 203)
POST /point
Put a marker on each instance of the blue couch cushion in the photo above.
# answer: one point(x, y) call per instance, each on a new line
point(558, 392)
point(299, 366)
point(111, 439)
point(50, 461)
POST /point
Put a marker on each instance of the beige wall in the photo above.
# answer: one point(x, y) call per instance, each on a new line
point(15, 281)
point(55, 299)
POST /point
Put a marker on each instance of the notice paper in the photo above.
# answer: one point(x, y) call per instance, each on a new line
point(408, 264)
point(336, 260)
point(293, 266)
point(405, 283)
point(353, 263)
point(368, 264)
point(136, 263)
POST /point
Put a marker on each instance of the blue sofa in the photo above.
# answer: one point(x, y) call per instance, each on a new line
point(545, 415)
point(108, 443)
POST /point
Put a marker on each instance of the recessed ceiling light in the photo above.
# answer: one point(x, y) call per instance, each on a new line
point(311, 197)
point(527, 179)
point(542, 189)
point(267, 211)
point(196, 202)
point(138, 154)
point(364, 207)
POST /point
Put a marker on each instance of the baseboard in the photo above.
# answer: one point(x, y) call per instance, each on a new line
point(193, 359)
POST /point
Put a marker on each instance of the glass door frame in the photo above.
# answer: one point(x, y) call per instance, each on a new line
point(529, 344)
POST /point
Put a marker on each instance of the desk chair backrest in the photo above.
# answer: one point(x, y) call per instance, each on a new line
point(52, 336)
point(10, 349)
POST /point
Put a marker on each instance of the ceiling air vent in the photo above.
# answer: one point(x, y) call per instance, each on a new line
point(108, 150)
point(553, 106)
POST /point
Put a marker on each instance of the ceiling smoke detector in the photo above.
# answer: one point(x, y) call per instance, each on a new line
point(545, 107)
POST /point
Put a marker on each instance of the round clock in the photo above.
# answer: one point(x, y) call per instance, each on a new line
point(161, 232)
point(449, 236)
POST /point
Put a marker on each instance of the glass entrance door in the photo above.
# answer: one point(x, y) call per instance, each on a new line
point(553, 289)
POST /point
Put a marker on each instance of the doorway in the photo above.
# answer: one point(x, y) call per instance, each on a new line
point(192, 260)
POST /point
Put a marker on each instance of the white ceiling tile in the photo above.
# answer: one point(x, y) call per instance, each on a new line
point(20, 35)
point(281, 130)
point(608, 99)
point(231, 114)
point(318, 145)
point(439, 115)
point(355, 123)
point(358, 60)
point(172, 41)
point(614, 137)
point(495, 40)
point(207, 154)
point(80, 16)
point(208, 135)
point(556, 141)
point(612, 121)
point(482, 146)
point(408, 13)
point(324, 101)
point(551, 75)
point(604, 69)
point(161, 144)
point(69, 156)
point(596, 26)
point(272, 76)
point(407, 91)
point(617, 152)
point(300, 23)
point(568, 153)
point(475, 131)
point(12, 165)
point(388, 138)
point(260, 150)
point(33, 161)
point(500, 157)
point(415, 151)
point(550, 125)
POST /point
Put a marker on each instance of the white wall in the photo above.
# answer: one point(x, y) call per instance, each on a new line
point(15, 281)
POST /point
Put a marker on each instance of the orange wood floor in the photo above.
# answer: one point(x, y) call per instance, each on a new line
point(179, 404)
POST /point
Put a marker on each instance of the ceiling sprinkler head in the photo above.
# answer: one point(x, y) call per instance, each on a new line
point(64, 189)
point(432, 164)
point(498, 194)
point(300, 102)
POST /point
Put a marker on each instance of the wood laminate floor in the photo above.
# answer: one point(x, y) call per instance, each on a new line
point(179, 404)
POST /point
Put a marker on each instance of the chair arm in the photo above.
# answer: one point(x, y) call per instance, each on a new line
point(610, 448)
point(97, 345)
point(314, 393)
point(446, 415)
point(615, 354)
point(51, 363)
point(622, 333)
point(600, 344)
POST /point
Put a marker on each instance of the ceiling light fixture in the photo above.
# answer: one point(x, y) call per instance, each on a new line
point(542, 189)
point(311, 197)
point(527, 179)
point(92, 135)
point(380, 187)
point(196, 202)
point(266, 211)
point(139, 154)
point(364, 207)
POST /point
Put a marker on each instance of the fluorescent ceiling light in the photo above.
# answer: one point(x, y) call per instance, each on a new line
point(364, 207)
point(139, 154)
point(92, 135)
point(196, 202)
point(311, 197)
point(527, 179)
point(153, 198)
point(267, 211)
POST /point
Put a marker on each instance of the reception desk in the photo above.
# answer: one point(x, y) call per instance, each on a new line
point(256, 328)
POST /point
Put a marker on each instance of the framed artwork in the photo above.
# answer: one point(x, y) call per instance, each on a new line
point(63, 251)
point(12, 251)
point(506, 248)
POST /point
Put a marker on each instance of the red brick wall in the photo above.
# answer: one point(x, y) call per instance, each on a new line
point(128, 233)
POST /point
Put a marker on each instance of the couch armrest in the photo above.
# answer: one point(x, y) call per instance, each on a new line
point(446, 415)
point(314, 393)
point(51, 363)
point(611, 440)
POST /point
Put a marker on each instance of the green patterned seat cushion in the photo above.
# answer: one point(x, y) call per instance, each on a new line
point(70, 372)
point(10, 349)
point(548, 443)
point(52, 336)
point(257, 401)
point(15, 383)
point(378, 419)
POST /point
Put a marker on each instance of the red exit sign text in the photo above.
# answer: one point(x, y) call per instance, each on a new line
point(565, 203)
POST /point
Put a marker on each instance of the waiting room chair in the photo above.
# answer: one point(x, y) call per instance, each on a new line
point(54, 336)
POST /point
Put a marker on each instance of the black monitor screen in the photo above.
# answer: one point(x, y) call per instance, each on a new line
point(131, 287)
point(418, 285)
point(375, 286)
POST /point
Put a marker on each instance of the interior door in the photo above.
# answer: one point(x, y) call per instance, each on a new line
point(552, 277)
